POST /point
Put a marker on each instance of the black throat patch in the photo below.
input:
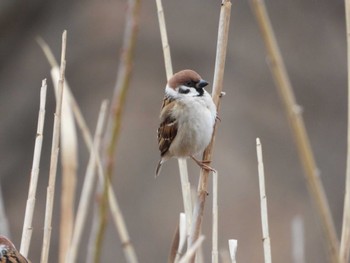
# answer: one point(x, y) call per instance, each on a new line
point(200, 92)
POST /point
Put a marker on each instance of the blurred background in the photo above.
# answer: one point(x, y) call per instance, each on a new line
point(311, 35)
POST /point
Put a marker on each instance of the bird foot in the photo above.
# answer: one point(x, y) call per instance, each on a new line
point(203, 164)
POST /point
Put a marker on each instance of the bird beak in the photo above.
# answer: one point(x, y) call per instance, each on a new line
point(201, 84)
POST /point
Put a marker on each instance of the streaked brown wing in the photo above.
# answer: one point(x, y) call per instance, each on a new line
point(168, 127)
point(12, 257)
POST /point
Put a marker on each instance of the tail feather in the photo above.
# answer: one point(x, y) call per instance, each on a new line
point(159, 166)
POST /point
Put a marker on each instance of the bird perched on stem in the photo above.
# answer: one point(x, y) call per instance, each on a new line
point(8, 252)
point(187, 118)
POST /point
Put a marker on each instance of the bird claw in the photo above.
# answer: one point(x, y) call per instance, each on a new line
point(203, 164)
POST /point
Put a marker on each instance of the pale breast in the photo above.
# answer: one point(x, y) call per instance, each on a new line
point(196, 118)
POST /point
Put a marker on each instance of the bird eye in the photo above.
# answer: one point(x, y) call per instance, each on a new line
point(189, 84)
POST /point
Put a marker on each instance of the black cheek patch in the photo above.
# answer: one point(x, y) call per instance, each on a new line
point(184, 91)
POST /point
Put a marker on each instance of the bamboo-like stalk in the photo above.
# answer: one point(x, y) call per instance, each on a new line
point(284, 87)
point(232, 244)
point(298, 242)
point(345, 235)
point(87, 189)
point(29, 213)
point(224, 21)
point(263, 204)
point(118, 104)
point(192, 250)
point(69, 162)
point(54, 157)
point(117, 218)
point(215, 252)
point(185, 183)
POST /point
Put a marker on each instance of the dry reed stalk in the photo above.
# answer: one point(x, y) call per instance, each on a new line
point(117, 107)
point(69, 155)
point(263, 204)
point(181, 239)
point(121, 227)
point(215, 252)
point(69, 162)
point(185, 183)
point(192, 250)
point(298, 242)
point(216, 94)
point(232, 244)
point(4, 224)
point(295, 118)
point(29, 213)
point(345, 235)
point(54, 157)
point(87, 189)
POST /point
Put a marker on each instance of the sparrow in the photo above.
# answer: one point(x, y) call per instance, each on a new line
point(8, 252)
point(187, 119)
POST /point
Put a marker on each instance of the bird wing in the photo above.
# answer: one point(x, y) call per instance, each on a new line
point(168, 126)
point(9, 256)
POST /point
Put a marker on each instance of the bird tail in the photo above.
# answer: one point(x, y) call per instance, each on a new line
point(158, 169)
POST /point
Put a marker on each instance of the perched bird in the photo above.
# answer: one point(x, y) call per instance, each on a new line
point(187, 118)
point(8, 252)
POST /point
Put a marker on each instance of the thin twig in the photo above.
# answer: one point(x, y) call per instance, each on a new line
point(185, 183)
point(29, 213)
point(345, 235)
point(293, 110)
point(263, 203)
point(54, 157)
point(217, 89)
point(87, 189)
point(215, 252)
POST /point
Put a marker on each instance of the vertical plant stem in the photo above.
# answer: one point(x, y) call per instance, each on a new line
point(232, 244)
point(4, 224)
point(69, 157)
point(215, 252)
point(345, 235)
point(87, 189)
point(298, 242)
point(118, 103)
point(185, 183)
point(293, 110)
point(54, 157)
point(69, 162)
point(29, 213)
point(263, 205)
point(224, 22)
